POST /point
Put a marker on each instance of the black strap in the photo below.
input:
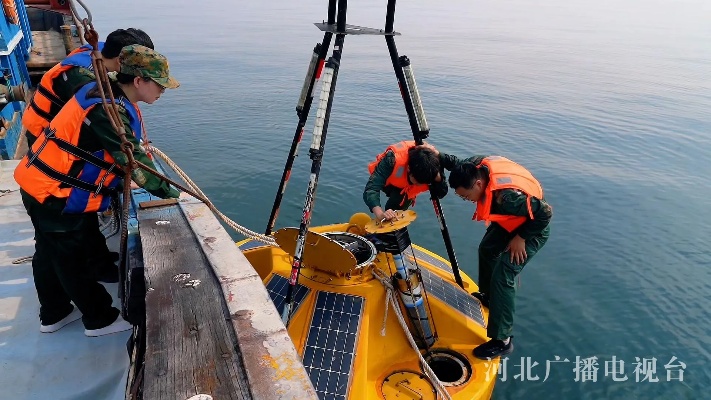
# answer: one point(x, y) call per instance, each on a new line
point(66, 179)
point(42, 113)
point(50, 96)
point(81, 153)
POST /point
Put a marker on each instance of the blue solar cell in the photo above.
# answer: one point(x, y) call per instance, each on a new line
point(311, 341)
point(331, 343)
point(309, 355)
point(322, 337)
point(348, 357)
point(277, 288)
point(321, 384)
point(350, 340)
point(353, 323)
point(325, 315)
point(340, 346)
point(337, 361)
point(332, 386)
point(342, 386)
point(318, 356)
point(453, 295)
point(335, 322)
point(314, 374)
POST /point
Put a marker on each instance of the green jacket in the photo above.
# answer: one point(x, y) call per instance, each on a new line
point(513, 202)
point(76, 77)
point(376, 185)
point(101, 135)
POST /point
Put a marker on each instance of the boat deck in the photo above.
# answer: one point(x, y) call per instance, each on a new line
point(211, 327)
point(47, 50)
point(45, 366)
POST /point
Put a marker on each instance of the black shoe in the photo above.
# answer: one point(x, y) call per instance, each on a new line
point(493, 348)
point(107, 273)
point(482, 297)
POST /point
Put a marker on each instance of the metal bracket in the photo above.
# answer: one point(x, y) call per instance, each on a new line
point(354, 30)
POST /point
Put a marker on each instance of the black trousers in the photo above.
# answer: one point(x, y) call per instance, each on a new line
point(64, 243)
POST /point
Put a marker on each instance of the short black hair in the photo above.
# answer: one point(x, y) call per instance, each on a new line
point(465, 174)
point(128, 78)
point(423, 164)
point(121, 38)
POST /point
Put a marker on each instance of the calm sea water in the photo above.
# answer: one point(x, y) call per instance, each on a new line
point(607, 103)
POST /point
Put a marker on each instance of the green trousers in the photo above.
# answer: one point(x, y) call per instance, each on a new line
point(497, 276)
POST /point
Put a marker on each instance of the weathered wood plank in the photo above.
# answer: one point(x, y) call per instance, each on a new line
point(157, 203)
point(47, 50)
point(274, 367)
point(190, 345)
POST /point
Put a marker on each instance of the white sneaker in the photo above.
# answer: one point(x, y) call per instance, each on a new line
point(120, 325)
point(73, 316)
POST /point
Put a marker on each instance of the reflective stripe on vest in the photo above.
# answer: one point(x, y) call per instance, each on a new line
point(506, 174)
point(45, 170)
point(45, 103)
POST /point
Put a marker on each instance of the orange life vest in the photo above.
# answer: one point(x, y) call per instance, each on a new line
point(398, 178)
point(506, 174)
point(46, 169)
point(45, 103)
point(10, 9)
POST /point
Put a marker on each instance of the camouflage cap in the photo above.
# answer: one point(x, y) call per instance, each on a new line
point(144, 62)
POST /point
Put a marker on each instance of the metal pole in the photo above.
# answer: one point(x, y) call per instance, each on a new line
point(418, 133)
point(302, 110)
point(328, 89)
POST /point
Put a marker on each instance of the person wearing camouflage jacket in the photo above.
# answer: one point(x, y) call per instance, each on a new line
point(61, 273)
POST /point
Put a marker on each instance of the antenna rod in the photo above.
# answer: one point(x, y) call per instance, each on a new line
point(303, 108)
point(418, 134)
point(318, 143)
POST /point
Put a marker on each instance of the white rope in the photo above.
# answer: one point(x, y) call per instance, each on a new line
point(240, 229)
point(390, 294)
point(385, 317)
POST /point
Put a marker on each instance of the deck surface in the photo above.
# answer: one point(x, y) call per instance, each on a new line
point(33, 365)
point(48, 49)
point(211, 327)
point(190, 345)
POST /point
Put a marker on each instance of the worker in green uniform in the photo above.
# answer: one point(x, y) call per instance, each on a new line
point(511, 201)
point(402, 171)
